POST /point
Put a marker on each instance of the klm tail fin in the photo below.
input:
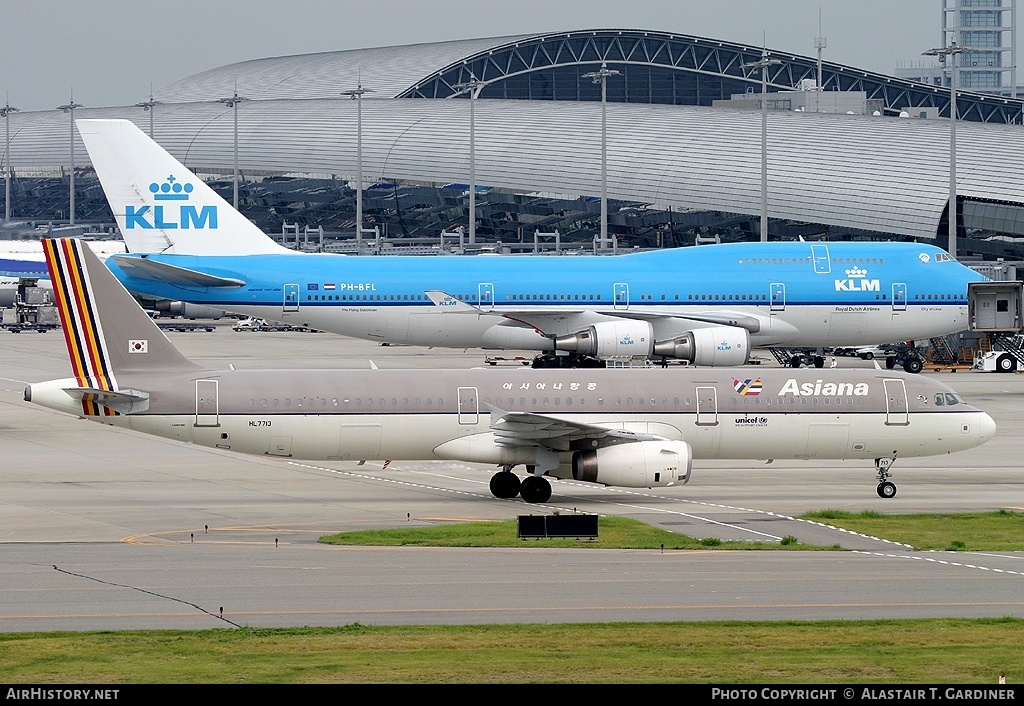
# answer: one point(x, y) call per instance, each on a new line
point(106, 331)
point(160, 206)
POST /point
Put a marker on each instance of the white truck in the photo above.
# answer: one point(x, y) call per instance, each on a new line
point(1003, 360)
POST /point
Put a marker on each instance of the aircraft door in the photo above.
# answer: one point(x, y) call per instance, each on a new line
point(777, 296)
point(899, 296)
point(207, 404)
point(485, 295)
point(620, 295)
point(291, 297)
point(469, 405)
point(707, 406)
point(897, 409)
point(819, 256)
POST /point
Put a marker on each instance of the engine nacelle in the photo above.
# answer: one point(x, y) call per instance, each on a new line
point(715, 345)
point(185, 310)
point(637, 464)
point(622, 337)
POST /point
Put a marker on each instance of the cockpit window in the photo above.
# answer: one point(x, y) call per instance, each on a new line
point(953, 398)
point(940, 399)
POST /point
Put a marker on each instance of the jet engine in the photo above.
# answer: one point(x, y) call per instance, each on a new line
point(713, 345)
point(622, 337)
point(637, 464)
point(184, 309)
point(716, 345)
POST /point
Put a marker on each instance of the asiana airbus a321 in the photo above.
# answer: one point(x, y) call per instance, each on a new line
point(708, 305)
point(639, 428)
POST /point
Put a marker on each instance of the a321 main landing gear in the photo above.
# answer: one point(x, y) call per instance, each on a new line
point(533, 489)
point(886, 488)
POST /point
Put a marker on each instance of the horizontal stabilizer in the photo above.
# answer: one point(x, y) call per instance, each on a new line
point(123, 401)
point(144, 268)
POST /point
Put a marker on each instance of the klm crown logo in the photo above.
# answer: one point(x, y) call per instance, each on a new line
point(170, 190)
point(167, 217)
point(857, 281)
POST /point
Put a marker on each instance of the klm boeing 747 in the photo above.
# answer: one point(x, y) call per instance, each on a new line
point(631, 428)
point(708, 305)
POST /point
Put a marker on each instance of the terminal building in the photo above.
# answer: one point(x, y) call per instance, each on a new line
point(518, 121)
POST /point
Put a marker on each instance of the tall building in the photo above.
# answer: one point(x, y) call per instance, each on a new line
point(990, 26)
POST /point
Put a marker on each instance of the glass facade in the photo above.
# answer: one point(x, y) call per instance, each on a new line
point(681, 70)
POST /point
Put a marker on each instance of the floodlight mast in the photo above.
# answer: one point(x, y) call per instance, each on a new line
point(473, 86)
point(763, 64)
point(232, 103)
point(6, 113)
point(70, 109)
point(949, 54)
point(601, 76)
point(149, 106)
point(357, 95)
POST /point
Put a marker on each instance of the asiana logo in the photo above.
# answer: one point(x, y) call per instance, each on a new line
point(820, 388)
point(748, 387)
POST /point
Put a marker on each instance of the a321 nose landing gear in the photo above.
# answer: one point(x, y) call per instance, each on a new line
point(533, 489)
point(886, 488)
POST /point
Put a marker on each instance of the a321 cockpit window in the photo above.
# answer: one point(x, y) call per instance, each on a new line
point(947, 398)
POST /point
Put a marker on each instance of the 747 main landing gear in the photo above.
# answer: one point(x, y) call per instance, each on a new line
point(886, 488)
point(533, 489)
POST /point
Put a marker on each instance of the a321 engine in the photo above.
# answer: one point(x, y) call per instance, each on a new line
point(637, 464)
point(712, 345)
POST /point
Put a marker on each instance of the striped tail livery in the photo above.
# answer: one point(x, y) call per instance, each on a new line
point(103, 337)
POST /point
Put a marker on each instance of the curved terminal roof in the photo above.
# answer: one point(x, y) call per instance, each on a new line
point(388, 71)
point(655, 67)
point(538, 127)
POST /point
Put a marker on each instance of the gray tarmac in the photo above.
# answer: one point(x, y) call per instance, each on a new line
point(104, 529)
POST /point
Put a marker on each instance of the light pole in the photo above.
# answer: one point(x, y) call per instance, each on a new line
point(149, 106)
point(601, 76)
point(232, 103)
point(357, 95)
point(6, 113)
point(764, 63)
point(70, 108)
point(943, 52)
point(473, 86)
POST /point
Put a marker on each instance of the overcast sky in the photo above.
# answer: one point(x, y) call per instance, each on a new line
point(110, 52)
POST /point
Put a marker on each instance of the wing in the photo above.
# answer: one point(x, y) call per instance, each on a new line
point(531, 429)
point(543, 319)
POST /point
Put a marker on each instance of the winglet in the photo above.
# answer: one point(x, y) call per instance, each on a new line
point(106, 331)
point(451, 303)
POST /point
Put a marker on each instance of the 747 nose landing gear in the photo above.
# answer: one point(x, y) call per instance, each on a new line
point(886, 488)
